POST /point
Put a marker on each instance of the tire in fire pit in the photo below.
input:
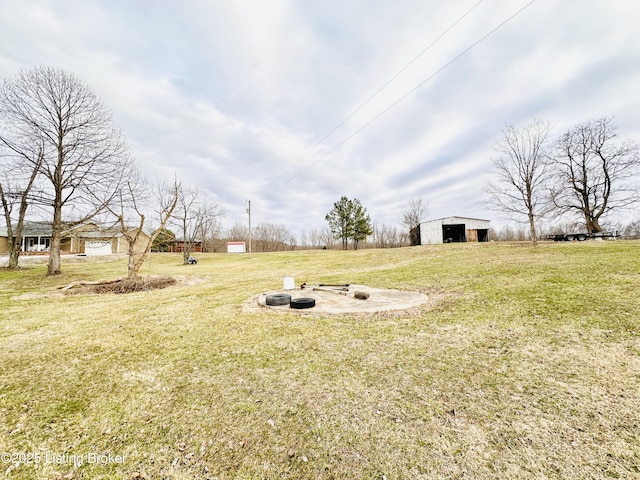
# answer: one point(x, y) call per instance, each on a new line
point(302, 303)
point(278, 299)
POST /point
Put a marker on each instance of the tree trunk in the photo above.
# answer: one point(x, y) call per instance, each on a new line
point(56, 243)
point(532, 229)
point(138, 263)
point(132, 269)
point(14, 258)
point(15, 243)
point(592, 224)
point(186, 252)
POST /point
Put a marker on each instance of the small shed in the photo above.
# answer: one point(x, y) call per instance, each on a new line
point(179, 245)
point(451, 230)
point(236, 247)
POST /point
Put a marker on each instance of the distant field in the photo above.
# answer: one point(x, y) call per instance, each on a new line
point(526, 364)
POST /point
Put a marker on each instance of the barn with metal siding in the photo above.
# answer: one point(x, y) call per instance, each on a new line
point(451, 230)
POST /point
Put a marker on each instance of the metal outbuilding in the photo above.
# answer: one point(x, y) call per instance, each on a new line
point(236, 247)
point(451, 230)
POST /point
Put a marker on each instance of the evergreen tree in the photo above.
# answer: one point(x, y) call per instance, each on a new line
point(349, 220)
point(361, 223)
point(163, 240)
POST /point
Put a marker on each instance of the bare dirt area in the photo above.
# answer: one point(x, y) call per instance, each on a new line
point(336, 301)
point(120, 286)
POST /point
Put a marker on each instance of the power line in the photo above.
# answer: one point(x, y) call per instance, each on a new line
point(385, 85)
point(437, 72)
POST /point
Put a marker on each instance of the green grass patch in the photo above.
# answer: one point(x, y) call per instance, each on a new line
point(525, 365)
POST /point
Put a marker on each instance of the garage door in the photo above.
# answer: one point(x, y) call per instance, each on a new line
point(97, 248)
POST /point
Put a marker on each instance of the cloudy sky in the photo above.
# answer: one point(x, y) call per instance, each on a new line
point(294, 103)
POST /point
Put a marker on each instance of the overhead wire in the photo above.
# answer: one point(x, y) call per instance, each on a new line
point(399, 100)
point(385, 85)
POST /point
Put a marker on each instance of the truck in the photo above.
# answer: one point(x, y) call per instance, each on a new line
point(581, 237)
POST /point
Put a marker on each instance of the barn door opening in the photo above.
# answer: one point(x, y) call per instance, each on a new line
point(453, 233)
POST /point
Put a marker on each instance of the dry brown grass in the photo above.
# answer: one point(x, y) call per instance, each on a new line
point(526, 366)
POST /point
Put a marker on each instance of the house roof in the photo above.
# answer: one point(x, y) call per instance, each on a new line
point(181, 240)
point(44, 229)
point(100, 234)
point(30, 229)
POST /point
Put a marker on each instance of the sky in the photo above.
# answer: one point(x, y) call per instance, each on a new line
point(293, 104)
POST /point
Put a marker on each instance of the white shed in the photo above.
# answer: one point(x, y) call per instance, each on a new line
point(236, 247)
point(450, 230)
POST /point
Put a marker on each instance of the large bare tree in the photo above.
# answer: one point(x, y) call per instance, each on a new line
point(521, 172)
point(84, 158)
point(594, 172)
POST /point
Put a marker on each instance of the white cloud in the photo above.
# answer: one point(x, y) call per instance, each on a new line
point(235, 96)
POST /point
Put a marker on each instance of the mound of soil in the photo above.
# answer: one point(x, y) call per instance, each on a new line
point(121, 286)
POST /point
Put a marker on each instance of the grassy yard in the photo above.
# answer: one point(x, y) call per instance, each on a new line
point(526, 364)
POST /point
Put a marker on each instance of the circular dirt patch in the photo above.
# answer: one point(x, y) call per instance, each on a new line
point(330, 300)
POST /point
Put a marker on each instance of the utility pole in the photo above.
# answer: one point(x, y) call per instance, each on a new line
point(249, 212)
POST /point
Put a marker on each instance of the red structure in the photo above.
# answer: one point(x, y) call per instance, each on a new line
point(178, 246)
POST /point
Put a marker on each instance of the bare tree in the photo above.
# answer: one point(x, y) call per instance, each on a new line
point(21, 156)
point(84, 156)
point(384, 236)
point(510, 233)
point(414, 213)
point(632, 230)
point(412, 216)
point(269, 237)
point(302, 240)
point(261, 236)
point(193, 212)
point(521, 172)
point(326, 238)
point(20, 159)
point(212, 232)
point(238, 232)
point(315, 239)
point(595, 174)
point(187, 219)
point(131, 201)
